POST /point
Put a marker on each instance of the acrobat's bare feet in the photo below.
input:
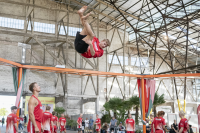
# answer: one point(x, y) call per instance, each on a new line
point(82, 10)
point(85, 17)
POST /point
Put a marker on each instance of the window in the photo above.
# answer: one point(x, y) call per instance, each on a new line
point(11, 23)
point(44, 27)
point(136, 61)
point(196, 22)
point(115, 60)
point(39, 27)
point(184, 30)
point(72, 30)
point(131, 37)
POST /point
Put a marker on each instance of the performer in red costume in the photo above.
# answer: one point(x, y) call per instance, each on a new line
point(34, 110)
point(85, 42)
point(54, 119)
point(159, 123)
point(47, 122)
point(183, 124)
point(62, 123)
point(98, 124)
point(130, 124)
point(79, 123)
point(11, 121)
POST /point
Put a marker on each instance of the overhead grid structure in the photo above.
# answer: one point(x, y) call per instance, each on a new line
point(161, 34)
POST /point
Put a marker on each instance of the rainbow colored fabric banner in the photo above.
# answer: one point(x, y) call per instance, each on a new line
point(149, 93)
point(19, 90)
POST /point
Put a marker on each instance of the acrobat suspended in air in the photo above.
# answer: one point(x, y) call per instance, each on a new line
point(86, 43)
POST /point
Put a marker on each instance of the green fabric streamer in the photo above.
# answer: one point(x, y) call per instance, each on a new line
point(15, 79)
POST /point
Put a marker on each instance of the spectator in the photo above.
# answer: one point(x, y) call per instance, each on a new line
point(2, 121)
point(91, 121)
point(172, 129)
point(83, 126)
point(167, 128)
point(86, 125)
point(104, 128)
point(25, 119)
point(175, 125)
point(113, 124)
point(108, 129)
point(150, 120)
point(121, 128)
point(21, 121)
point(190, 129)
point(148, 128)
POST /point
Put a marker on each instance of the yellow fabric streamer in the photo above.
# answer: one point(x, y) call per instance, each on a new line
point(150, 118)
point(184, 106)
point(181, 107)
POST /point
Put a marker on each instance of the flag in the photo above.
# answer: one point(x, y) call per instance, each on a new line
point(149, 93)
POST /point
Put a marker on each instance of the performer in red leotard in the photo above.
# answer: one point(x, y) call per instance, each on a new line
point(159, 123)
point(62, 123)
point(11, 120)
point(54, 119)
point(47, 122)
point(130, 124)
point(183, 124)
point(34, 110)
point(98, 124)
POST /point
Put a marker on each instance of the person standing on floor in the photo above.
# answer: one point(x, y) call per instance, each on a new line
point(79, 123)
point(54, 119)
point(11, 121)
point(83, 125)
point(159, 123)
point(175, 125)
point(130, 124)
point(47, 122)
point(98, 124)
point(2, 121)
point(62, 123)
point(34, 110)
point(86, 125)
point(183, 124)
point(91, 123)
point(21, 122)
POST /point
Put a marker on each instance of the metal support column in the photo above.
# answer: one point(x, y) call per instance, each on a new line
point(143, 105)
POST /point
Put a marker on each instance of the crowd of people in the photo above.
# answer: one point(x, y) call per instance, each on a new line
point(158, 125)
point(46, 122)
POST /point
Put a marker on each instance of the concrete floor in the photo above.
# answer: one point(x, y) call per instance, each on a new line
point(3, 130)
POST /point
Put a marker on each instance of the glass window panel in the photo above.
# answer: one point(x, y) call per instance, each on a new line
point(11, 23)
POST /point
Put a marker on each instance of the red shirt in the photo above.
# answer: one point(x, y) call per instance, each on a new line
point(54, 119)
point(79, 121)
point(183, 123)
point(46, 121)
point(62, 121)
point(38, 112)
point(11, 120)
point(130, 124)
point(97, 49)
point(98, 126)
point(159, 123)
